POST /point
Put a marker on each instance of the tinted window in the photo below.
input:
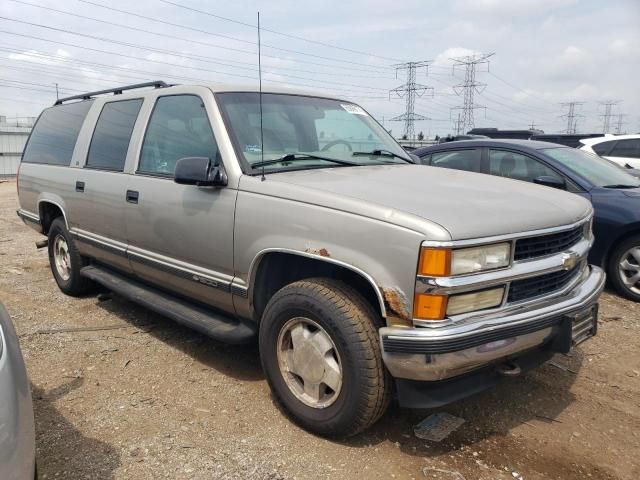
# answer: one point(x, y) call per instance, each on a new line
point(54, 136)
point(178, 128)
point(598, 171)
point(603, 148)
point(626, 148)
point(517, 166)
point(111, 136)
point(468, 160)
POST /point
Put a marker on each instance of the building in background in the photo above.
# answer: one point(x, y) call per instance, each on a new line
point(13, 136)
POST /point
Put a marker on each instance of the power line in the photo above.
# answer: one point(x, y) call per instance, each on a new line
point(470, 86)
point(178, 54)
point(288, 35)
point(409, 91)
point(188, 40)
point(127, 12)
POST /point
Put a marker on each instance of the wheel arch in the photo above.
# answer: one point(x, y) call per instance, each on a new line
point(48, 210)
point(630, 231)
point(300, 265)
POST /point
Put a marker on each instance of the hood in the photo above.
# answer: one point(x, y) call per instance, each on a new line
point(467, 205)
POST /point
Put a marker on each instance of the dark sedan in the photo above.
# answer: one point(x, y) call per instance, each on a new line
point(614, 193)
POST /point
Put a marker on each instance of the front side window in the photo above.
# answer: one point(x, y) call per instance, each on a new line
point(468, 160)
point(503, 163)
point(626, 148)
point(596, 170)
point(54, 136)
point(307, 128)
point(178, 128)
point(110, 142)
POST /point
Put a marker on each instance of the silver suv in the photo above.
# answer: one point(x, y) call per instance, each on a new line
point(298, 220)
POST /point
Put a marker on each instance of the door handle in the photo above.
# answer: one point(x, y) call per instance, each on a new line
point(79, 186)
point(132, 196)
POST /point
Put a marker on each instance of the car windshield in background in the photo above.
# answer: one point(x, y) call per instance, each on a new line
point(305, 132)
point(596, 170)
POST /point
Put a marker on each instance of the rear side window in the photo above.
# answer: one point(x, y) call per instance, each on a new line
point(602, 148)
point(54, 136)
point(468, 160)
point(110, 142)
point(626, 148)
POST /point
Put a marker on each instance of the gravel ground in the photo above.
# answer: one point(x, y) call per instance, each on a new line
point(146, 398)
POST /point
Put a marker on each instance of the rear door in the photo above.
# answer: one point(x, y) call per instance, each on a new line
point(99, 185)
point(181, 236)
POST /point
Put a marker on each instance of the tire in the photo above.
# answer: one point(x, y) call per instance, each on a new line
point(67, 274)
point(327, 309)
point(626, 251)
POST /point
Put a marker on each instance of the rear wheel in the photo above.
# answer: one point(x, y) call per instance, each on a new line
point(624, 268)
point(65, 261)
point(320, 352)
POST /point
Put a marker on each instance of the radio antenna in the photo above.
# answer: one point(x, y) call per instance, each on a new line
point(260, 96)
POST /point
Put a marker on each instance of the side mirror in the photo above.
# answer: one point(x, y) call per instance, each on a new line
point(553, 182)
point(199, 171)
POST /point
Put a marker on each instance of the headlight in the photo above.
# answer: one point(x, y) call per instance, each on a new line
point(469, 302)
point(440, 262)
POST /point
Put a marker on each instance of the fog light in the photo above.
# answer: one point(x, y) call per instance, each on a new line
point(469, 302)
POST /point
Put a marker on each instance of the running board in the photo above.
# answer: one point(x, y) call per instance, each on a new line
point(216, 325)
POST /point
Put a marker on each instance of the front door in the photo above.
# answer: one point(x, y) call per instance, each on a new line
point(181, 236)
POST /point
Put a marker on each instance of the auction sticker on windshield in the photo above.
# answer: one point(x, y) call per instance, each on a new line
point(355, 109)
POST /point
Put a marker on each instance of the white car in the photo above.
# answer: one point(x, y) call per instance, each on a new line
point(622, 149)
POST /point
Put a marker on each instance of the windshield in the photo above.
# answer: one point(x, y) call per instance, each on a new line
point(308, 126)
point(596, 170)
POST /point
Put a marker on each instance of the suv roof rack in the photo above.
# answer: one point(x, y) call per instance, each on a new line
point(115, 91)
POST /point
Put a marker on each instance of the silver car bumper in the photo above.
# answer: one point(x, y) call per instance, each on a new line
point(447, 351)
point(17, 433)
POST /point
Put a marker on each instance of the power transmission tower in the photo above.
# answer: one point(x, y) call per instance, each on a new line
point(459, 127)
point(470, 86)
point(533, 125)
point(572, 116)
point(619, 123)
point(606, 117)
point(409, 91)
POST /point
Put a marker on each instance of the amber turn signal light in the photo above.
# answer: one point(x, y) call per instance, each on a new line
point(435, 262)
point(429, 307)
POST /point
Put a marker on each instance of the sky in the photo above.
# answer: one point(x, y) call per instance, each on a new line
point(545, 53)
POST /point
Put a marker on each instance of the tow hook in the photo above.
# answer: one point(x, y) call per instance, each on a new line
point(509, 369)
point(42, 243)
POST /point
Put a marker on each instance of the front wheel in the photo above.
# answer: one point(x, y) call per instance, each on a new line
point(320, 352)
point(624, 268)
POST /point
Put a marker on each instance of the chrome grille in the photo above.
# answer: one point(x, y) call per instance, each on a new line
point(542, 245)
point(533, 287)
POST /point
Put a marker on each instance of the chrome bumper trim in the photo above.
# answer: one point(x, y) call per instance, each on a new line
point(452, 349)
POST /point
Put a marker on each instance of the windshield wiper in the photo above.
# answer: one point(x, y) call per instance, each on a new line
point(622, 185)
point(381, 153)
point(293, 157)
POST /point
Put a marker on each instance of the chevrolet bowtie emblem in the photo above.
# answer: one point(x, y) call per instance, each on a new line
point(569, 260)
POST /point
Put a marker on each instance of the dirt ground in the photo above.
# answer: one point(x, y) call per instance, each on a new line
point(146, 398)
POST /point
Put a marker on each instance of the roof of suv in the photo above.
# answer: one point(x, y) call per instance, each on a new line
point(489, 142)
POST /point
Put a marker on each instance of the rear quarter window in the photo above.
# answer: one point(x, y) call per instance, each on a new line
point(603, 148)
point(54, 136)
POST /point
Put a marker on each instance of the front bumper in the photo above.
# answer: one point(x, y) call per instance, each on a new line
point(432, 354)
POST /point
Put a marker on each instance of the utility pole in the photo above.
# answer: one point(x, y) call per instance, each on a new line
point(572, 116)
point(470, 86)
point(606, 117)
point(533, 125)
point(57, 96)
point(619, 123)
point(409, 91)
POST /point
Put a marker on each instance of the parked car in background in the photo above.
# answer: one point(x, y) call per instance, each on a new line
point(615, 195)
point(355, 269)
point(17, 432)
point(455, 138)
point(622, 149)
